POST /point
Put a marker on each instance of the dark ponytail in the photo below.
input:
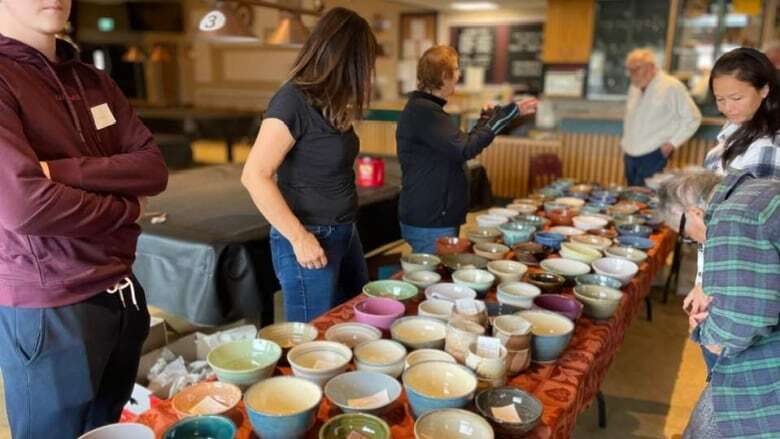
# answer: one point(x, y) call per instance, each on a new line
point(751, 66)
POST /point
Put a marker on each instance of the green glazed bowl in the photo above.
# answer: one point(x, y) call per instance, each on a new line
point(393, 289)
point(244, 362)
point(369, 426)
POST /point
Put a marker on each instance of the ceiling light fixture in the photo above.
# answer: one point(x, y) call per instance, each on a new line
point(474, 6)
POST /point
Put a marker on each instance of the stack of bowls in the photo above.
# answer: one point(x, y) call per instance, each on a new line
point(621, 269)
point(351, 425)
point(507, 271)
point(393, 289)
point(352, 334)
point(207, 398)
point(419, 262)
point(436, 385)
point(526, 416)
point(491, 369)
point(515, 334)
point(551, 334)
point(417, 332)
point(519, 294)
point(381, 356)
point(244, 362)
point(515, 232)
point(319, 361)
point(282, 407)
point(379, 312)
point(452, 424)
point(600, 302)
point(460, 334)
point(213, 427)
point(478, 280)
point(361, 391)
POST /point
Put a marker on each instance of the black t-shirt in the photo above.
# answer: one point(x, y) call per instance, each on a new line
point(316, 178)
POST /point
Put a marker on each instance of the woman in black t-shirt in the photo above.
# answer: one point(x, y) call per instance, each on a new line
point(308, 142)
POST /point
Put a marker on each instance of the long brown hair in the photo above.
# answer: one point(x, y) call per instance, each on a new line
point(335, 67)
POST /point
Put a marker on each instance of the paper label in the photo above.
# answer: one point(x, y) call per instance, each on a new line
point(102, 116)
point(376, 400)
point(466, 306)
point(488, 347)
point(319, 364)
point(507, 413)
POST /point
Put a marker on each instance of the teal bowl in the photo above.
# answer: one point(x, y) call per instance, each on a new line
point(212, 427)
point(244, 362)
point(345, 426)
point(392, 289)
point(515, 233)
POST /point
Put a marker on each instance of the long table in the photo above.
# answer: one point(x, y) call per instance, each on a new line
point(564, 388)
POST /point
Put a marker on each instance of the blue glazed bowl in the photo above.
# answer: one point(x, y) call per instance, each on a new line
point(514, 233)
point(598, 279)
point(282, 407)
point(653, 221)
point(639, 230)
point(551, 334)
point(433, 385)
point(549, 239)
point(216, 427)
point(636, 242)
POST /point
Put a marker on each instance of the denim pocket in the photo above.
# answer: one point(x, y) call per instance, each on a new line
point(30, 333)
point(321, 232)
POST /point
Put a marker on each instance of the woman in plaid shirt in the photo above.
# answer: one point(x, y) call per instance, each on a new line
point(739, 216)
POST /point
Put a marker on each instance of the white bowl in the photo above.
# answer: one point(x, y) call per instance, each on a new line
point(523, 208)
point(382, 356)
point(422, 355)
point(422, 279)
point(565, 267)
point(488, 220)
point(621, 269)
point(507, 271)
point(352, 333)
point(520, 294)
point(417, 332)
point(579, 252)
point(600, 243)
point(566, 231)
point(500, 211)
point(632, 254)
point(436, 308)
point(319, 361)
point(449, 291)
point(589, 222)
point(452, 424)
point(289, 334)
point(571, 201)
point(474, 278)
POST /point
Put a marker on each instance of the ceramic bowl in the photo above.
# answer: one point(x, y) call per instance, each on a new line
point(579, 252)
point(621, 269)
point(460, 334)
point(379, 312)
point(419, 262)
point(482, 234)
point(643, 244)
point(527, 258)
point(581, 188)
point(523, 208)
point(450, 245)
point(214, 427)
point(603, 233)
point(423, 355)
point(282, 407)
point(597, 242)
point(551, 205)
point(513, 331)
point(289, 334)
point(422, 279)
point(565, 267)
point(437, 385)
point(565, 305)
point(507, 271)
point(436, 308)
point(347, 426)
point(244, 362)
point(571, 202)
point(515, 233)
point(478, 280)
point(627, 220)
point(319, 361)
point(352, 334)
point(562, 217)
point(491, 250)
point(537, 221)
point(534, 248)
point(449, 291)
point(598, 279)
point(527, 408)
point(519, 294)
point(552, 333)
point(600, 302)
point(124, 430)
point(566, 231)
point(488, 220)
point(549, 283)
point(363, 391)
point(548, 239)
point(381, 356)
point(533, 201)
point(501, 211)
point(392, 289)
point(206, 398)
point(463, 260)
point(622, 209)
point(632, 254)
point(634, 230)
point(418, 332)
point(452, 424)
point(589, 222)
point(653, 220)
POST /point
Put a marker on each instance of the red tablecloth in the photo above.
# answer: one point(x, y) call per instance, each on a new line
point(565, 388)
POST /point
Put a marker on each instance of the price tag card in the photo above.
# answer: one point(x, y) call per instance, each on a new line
point(506, 413)
point(376, 400)
point(488, 347)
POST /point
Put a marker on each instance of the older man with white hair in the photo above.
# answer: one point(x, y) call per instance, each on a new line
point(660, 116)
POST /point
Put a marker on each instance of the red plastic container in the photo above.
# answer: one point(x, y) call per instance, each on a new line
point(370, 172)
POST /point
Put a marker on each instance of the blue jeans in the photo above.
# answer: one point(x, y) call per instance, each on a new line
point(709, 359)
point(311, 292)
point(70, 369)
point(423, 239)
point(637, 169)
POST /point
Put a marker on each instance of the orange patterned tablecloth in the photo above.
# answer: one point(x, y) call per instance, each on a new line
point(565, 388)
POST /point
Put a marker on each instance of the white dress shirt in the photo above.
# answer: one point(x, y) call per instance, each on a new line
point(663, 113)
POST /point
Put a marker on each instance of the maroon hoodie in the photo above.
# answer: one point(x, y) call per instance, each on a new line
point(69, 238)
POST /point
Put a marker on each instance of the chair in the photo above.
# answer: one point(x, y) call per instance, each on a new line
point(543, 170)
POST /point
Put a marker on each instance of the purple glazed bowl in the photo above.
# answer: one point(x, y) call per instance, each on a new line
point(379, 312)
point(565, 305)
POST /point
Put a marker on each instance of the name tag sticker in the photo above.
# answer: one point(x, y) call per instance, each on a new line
point(102, 116)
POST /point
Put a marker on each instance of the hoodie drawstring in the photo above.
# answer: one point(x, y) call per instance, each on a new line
point(69, 104)
point(120, 288)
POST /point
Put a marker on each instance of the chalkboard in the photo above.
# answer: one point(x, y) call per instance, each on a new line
point(621, 26)
point(508, 52)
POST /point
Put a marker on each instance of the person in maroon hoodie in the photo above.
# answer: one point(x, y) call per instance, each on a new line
point(76, 165)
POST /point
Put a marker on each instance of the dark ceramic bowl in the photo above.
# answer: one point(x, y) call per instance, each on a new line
point(528, 408)
point(449, 245)
point(459, 261)
point(527, 258)
point(549, 283)
point(605, 233)
point(566, 305)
